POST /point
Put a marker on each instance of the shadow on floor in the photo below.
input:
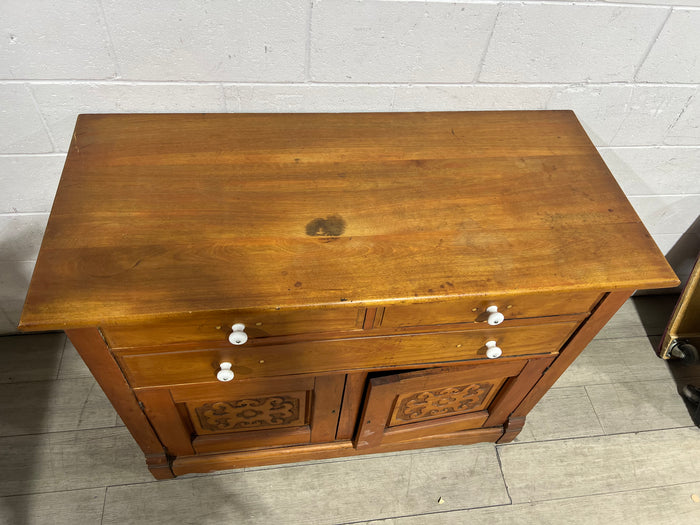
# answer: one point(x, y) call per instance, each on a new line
point(27, 367)
point(655, 313)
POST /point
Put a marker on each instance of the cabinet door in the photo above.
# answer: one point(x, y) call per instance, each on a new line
point(201, 418)
point(402, 407)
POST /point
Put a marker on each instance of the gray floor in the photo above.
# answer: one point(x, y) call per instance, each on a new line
point(612, 441)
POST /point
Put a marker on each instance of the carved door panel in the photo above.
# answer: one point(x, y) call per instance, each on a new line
point(193, 419)
point(406, 406)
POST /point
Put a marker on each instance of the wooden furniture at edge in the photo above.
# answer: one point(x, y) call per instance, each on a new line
point(403, 280)
point(681, 339)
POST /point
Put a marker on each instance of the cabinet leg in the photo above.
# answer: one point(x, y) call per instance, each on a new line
point(511, 429)
point(159, 466)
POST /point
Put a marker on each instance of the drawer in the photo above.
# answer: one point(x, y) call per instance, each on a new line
point(216, 327)
point(474, 310)
point(201, 366)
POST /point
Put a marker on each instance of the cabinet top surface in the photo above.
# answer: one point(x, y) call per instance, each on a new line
point(159, 215)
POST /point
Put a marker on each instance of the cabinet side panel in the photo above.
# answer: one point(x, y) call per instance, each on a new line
point(96, 355)
point(610, 304)
point(510, 396)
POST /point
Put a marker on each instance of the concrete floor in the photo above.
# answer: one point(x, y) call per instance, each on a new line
point(611, 442)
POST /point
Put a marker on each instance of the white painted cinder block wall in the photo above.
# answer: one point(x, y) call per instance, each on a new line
point(630, 69)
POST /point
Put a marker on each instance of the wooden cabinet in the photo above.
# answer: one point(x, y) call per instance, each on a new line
point(260, 289)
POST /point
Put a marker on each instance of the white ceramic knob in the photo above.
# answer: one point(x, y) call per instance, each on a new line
point(238, 336)
point(492, 351)
point(495, 317)
point(225, 373)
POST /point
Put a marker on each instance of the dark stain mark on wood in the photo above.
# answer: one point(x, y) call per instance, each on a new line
point(332, 226)
point(297, 284)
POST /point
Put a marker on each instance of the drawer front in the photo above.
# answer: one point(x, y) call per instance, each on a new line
point(201, 366)
point(475, 310)
point(216, 327)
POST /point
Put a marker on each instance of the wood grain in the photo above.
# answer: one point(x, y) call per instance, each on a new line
point(253, 387)
point(167, 422)
point(515, 389)
point(104, 368)
point(211, 328)
point(325, 412)
point(245, 414)
point(212, 462)
point(600, 316)
point(253, 439)
point(356, 248)
point(352, 404)
point(157, 216)
point(434, 427)
point(473, 310)
point(512, 428)
point(428, 393)
point(172, 367)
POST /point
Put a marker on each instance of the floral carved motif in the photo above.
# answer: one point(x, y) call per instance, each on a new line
point(432, 403)
point(244, 414)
